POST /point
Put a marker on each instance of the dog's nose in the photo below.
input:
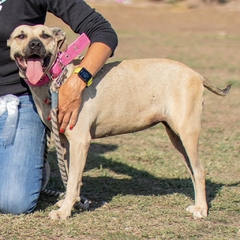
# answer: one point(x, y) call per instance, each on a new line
point(35, 44)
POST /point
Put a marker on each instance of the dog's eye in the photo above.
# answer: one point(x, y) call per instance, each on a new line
point(45, 36)
point(21, 36)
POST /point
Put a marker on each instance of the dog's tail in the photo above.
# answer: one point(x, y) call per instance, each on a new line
point(211, 87)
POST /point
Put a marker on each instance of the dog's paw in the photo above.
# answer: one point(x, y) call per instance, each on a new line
point(58, 215)
point(197, 211)
point(59, 203)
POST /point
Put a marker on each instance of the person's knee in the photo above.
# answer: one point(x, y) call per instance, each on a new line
point(18, 203)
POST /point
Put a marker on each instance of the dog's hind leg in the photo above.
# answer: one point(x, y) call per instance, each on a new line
point(187, 144)
point(78, 154)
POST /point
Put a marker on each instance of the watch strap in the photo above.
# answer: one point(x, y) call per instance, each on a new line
point(87, 81)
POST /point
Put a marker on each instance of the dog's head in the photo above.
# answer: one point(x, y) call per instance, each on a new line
point(34, 49)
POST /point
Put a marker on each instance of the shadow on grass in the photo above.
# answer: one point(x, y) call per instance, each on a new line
point(138, 182)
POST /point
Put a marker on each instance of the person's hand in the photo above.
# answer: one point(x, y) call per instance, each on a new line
point(70, 93)
point(69, 102)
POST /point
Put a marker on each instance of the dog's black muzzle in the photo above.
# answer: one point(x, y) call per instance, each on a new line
point(35, 46)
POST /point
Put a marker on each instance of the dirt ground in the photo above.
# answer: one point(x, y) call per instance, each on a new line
point(167, 18)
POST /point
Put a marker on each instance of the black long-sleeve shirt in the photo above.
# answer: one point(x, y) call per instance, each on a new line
point(76, 13)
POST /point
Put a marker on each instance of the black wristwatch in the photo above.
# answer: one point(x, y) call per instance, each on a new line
point(85, 75)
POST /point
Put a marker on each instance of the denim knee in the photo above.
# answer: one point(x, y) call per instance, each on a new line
point(17, 201)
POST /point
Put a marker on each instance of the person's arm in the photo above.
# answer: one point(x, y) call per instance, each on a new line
point(70, 92)
point(82, 19)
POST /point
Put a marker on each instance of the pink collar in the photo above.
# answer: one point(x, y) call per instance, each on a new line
point(64, 59)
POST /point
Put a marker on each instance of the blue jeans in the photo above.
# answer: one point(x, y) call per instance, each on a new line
point(21, 164)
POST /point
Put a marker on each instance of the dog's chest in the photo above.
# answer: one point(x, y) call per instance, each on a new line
point(41, 100)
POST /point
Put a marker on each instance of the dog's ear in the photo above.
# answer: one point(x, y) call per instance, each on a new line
point(61, 38)
point(9, 41)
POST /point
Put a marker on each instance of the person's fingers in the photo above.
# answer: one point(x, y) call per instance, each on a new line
point(49, 116)
point(65, 121)
point(61, 114)
point(73, 120)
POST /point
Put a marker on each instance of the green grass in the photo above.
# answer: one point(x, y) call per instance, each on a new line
point(137, 183)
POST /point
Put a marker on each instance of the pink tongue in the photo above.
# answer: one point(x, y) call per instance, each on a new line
point(34, 70)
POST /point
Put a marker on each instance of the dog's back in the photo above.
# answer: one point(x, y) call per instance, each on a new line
point(132, 95)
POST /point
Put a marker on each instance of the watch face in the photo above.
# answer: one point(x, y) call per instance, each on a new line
point(85, 75)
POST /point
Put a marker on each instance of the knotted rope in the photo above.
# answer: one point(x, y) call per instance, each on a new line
point(62, 163)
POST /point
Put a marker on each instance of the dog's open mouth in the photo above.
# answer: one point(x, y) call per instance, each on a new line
point(33, 66)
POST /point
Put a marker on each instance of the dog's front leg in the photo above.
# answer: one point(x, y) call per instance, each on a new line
point(78, 155)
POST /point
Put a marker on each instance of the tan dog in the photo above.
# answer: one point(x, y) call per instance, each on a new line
point(125, 97)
